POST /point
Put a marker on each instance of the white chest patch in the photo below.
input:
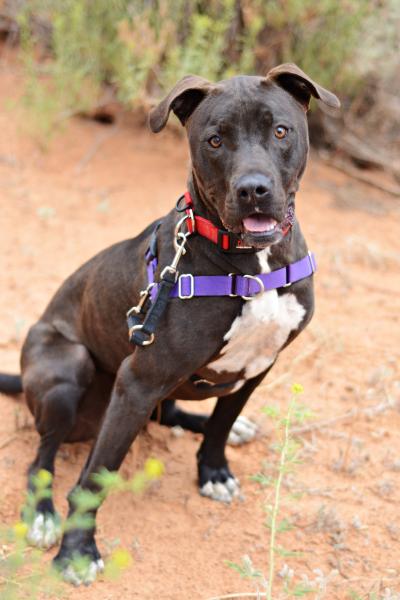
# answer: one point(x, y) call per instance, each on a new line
point(256, 337)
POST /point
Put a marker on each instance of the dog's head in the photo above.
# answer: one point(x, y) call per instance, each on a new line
point(248, 141)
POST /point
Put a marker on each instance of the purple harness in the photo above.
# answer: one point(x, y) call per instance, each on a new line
point(233, 285)
point(143, 318)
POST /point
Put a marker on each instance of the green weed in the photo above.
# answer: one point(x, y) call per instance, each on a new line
point(24, 573)
point(287, 449)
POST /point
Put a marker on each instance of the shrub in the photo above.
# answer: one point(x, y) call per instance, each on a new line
point(137, 50)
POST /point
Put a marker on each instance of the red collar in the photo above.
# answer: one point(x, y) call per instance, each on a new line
point(225, 240)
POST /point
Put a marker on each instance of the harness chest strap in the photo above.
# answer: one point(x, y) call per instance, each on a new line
point(246, 286)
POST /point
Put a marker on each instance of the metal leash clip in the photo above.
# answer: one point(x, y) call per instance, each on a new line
point(168, 278)
point(178, 233)
point(144, 294)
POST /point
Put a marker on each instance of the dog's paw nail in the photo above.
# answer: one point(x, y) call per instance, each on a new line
point(45, 531)
point(233, 485)
point(100, 565)
point(234, 439)
point(222, 492)
point(70, 576)
point(177, 431)
point(91, 573)
point(242, 432)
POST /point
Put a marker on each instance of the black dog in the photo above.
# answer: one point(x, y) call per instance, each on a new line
point(249, 143)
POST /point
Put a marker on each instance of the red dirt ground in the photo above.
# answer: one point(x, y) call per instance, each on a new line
point(96, 185)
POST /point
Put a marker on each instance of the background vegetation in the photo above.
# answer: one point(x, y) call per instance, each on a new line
point(141, 48)
point(91, 57)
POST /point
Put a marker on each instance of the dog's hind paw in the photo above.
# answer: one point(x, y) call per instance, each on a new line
point(44, 531)
point(221, 491)
point(242, 432)
point(84, 573)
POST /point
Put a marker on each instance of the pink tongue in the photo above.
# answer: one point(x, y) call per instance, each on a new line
point(258, 223)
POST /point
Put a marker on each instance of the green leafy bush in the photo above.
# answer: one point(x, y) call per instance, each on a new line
point(135, 50)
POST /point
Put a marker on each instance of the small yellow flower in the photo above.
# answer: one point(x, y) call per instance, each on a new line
point(153, 468)
point(121, 558)
point(44, 477)
point(297, 388)
point(20, 530)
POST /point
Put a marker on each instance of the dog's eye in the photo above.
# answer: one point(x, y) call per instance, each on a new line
point(215, 141)
point(280, 132)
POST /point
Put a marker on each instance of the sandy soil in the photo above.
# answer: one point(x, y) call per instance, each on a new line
point(97, 184)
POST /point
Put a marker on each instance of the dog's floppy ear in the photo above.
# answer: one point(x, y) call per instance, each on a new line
point(182, 100)
point(301, 86)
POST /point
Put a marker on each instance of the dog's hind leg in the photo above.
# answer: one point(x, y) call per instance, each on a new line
point(167, 413)
point(56, 373)
point(170, 415)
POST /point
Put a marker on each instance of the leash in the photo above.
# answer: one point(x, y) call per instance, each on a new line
point(143, 318)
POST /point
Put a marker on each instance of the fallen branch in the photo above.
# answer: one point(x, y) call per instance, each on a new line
point(360, 176)
point(239, 595)
point(7, 441)
point(368, 411)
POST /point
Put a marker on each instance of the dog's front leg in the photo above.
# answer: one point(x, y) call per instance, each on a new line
point(132, 401)
point(216, 480)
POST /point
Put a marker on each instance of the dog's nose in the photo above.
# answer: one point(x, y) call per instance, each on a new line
point(253, 187)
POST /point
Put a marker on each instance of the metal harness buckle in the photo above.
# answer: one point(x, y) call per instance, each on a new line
point(138, 328)
point(233, 281)
point(260, 283)
point(191, 293)
point(311, 259)
point(289, 283)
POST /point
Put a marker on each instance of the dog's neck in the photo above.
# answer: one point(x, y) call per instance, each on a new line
point(201, 204)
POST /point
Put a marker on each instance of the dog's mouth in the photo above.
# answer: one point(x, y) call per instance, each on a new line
point(260, 224)
point(259, 229)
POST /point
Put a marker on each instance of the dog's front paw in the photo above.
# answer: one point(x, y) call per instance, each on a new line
point(218, 484)
point(44, 530)
point(242, 432)
point(81, 565)
point(82, 570)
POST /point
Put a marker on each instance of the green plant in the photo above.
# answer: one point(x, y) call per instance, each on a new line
point(287, 449)
point(322, 37)
point(23, 573)
point(137, 50)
